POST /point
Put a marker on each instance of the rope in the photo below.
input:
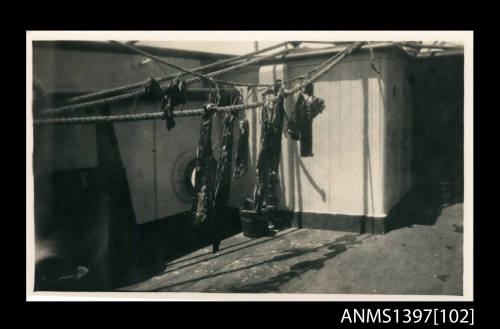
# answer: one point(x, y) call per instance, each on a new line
point(317, 68)
point(160, 115)
point(241, 84)
point(126, 88)
point(372, 58)
point(239, 66)
point(338, 58)
point(161, 60)
point(299, 77)
point(137, 117)
point(123, 97)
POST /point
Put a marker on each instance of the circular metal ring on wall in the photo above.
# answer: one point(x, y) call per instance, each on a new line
point(183, 176)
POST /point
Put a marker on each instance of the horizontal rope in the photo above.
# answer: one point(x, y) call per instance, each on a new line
point(123, 97)
point(137, 117)
point(142, 84)
point(335, 60)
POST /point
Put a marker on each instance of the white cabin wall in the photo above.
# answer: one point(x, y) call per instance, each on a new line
point(345, 175)
point(302, 183)
point(170, 145)
point(138, 143)
point(74, 147)
point(358, 168)
point(361, 142)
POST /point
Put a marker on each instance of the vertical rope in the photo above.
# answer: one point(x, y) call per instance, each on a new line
point(155, 174)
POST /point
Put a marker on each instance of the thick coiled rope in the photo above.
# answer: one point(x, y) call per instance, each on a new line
point(335, 60)
point(123, 97)
point(139, 116)
point(142, 84)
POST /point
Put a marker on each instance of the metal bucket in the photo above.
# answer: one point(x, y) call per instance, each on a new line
point(254, 225)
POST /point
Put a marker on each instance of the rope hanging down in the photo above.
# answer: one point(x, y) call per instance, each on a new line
point(142, 84)
point(123, 97)
point(335, 60)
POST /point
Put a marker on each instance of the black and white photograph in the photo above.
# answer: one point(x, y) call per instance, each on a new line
point(234, 165)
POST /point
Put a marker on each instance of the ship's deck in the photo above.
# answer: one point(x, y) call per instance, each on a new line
point(418, 259)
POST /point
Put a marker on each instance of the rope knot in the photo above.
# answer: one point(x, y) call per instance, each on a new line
point(175, 94)
point(208, 110)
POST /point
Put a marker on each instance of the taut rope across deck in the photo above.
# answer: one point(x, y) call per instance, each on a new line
point(126, 96)
point(142, 84)
point(317, 74)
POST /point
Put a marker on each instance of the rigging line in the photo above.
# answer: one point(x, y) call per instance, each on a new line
point(314, 70)
point(160, 60)
point(318, 75)
point(241, 84)
point(123, 97)
point(125, 88)
point(240, 66)
point(133, 105)
point(186, 71)
point(155, 170)
point(433, 46)
point(372, 58)
point(142, 116)
point(148, 116)
point(224, 82)
point(161, 67)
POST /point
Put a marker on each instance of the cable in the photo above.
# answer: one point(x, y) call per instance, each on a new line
point(161, 60)
point(125, 88)
point(123, 97)
point(160, 115)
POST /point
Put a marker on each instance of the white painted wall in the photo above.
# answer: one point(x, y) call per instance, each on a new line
point(361, 142)
point(144, 143)
point(72, 147)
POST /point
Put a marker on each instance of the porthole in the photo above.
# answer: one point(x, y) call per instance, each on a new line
point(183, 175)
point(189, 176)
